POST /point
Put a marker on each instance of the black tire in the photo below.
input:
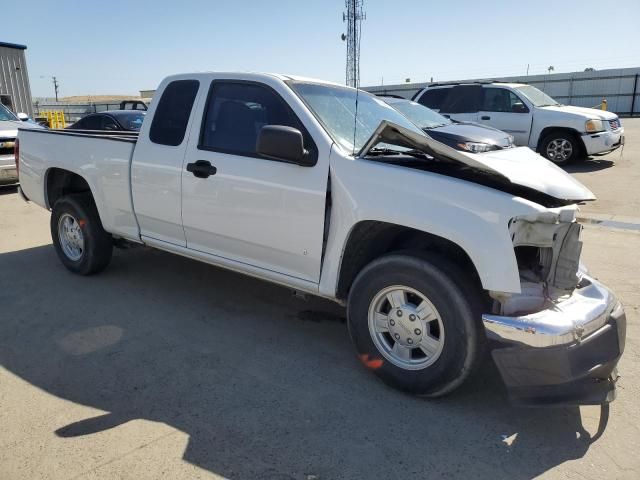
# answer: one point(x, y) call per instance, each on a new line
point(458, 302)
point(561, 138)
point(97, 244)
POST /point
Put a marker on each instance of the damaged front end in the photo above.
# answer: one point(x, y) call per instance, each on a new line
point(559, 339)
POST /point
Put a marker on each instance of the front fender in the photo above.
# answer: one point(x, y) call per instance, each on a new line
point(472, 216)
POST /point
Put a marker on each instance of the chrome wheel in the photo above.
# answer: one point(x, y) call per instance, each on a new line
point(559, 150)
point(71, 237)
point(406, 327)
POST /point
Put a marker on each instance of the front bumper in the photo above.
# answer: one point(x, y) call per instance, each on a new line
point(604, 142)
point(564, 355)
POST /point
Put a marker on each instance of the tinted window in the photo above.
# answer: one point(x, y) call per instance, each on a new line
point(131, 119)
point(433, 98)
point(172, 115)
point(6, 114)
point(501, 100)
point(237, 111)
point(91, 122)
point(462, 99)
point(108, 123)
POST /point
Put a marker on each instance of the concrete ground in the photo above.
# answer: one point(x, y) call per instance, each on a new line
point(162, 367)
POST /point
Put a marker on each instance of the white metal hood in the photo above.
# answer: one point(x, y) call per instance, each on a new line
point(520, 166)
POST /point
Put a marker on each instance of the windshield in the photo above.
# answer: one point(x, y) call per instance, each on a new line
point(7, 115)
point(130, 120)
point(334, 107)
point(420, 115)
point(537, 97)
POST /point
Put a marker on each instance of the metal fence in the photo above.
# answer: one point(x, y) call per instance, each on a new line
point(620, 87)
point(73, 111)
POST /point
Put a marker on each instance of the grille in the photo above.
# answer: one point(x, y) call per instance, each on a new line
point(614, 124)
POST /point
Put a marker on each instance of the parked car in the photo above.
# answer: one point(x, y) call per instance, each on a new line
point(434, 251)
point(113, 120)
point(466, 136)
point(561, 133)
point(9, 124)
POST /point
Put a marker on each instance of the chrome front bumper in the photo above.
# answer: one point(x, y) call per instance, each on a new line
point(563, 323)
point(564, 355)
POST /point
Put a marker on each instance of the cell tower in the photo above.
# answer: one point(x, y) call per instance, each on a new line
point(353, 18)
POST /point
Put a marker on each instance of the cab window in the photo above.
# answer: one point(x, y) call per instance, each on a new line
point(502, 100)
point(237, 111)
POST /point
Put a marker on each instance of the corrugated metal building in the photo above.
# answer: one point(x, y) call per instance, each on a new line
point(15, 91)
point(620, 86)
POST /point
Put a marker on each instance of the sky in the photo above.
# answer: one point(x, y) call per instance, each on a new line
point(120, 47)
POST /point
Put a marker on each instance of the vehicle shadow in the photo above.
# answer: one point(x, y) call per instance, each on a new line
point(7, 189)
point(589, 165)
point(266, 386)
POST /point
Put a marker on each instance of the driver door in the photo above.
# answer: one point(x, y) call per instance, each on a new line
point(504, 110)
point(250, 209)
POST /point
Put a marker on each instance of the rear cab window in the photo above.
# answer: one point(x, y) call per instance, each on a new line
point(172, 114)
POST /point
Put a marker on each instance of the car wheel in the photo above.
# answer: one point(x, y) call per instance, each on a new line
point(561, 148)
point(81, 243)
point(416, 322)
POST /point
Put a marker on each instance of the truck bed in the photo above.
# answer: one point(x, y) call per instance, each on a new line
point(102, 158)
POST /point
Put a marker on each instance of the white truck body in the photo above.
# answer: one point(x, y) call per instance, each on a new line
point(294, 225)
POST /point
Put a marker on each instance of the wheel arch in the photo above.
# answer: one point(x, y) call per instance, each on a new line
point(546, 131)
point(60, 182)
point(370, 239)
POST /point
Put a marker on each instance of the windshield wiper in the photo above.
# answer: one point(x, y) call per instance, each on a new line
point(384, 151)
point(391, 151)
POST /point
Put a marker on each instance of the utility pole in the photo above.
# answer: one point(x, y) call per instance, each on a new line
point(353, 18)
point(55, 86)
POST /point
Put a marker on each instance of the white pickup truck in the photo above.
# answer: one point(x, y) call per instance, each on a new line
point(439, 255)
point(561, 133)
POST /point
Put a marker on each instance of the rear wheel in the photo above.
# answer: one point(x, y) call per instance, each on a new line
point(561, 148)
point(415, 322)
point(81, 243)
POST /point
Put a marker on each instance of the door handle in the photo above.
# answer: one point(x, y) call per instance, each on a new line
point(485, 117)
point(201, 169)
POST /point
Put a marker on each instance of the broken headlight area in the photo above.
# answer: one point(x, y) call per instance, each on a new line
point(547, 247)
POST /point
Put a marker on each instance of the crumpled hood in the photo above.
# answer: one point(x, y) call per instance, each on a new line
point(520, 166)
point(582, 111)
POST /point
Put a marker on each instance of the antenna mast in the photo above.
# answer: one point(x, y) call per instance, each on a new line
point(353, 18)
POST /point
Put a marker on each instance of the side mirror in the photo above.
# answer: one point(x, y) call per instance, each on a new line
point(283, 143)
point(23, 117)
point(519, 108)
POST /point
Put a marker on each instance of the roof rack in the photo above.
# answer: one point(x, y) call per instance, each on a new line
point(463, 82)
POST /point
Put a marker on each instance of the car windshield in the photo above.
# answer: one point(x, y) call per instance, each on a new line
point(131, 120)
point(7, 115)
point(335, 109)
point(537, 97)
point(422, 116)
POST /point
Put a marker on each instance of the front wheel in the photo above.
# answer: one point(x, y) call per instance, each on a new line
point(415, 321)
point(561, 148)
point(81, 243)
